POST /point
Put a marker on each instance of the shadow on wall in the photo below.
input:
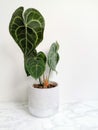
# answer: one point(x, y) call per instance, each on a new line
point(13, 80)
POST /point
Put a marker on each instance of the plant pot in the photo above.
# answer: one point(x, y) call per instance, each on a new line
point(43, 102)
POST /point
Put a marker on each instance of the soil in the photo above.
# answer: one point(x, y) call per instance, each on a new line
point(51, 85)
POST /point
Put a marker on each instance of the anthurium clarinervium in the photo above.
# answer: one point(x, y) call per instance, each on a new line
point(36, 65)
point(27, 29)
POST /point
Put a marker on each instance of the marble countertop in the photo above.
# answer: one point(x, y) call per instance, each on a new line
point(71, 116)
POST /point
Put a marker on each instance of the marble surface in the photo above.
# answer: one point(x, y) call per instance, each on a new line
point(71, 116)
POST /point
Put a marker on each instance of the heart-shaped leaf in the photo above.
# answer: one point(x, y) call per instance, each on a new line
point(27, 28)
point(53, 56)
point(32, 54)
point(35, 66)
point(42, 55)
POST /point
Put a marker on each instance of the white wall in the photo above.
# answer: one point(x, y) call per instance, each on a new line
point(74, 23)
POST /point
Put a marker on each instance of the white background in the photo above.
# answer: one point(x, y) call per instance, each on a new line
point(74, 24)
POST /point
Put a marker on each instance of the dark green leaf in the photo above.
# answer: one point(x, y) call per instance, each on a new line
point(35, 66)
point(32, 54)
point(27, 29)
point(42, 55)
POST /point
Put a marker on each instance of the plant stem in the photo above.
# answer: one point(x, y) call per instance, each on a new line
point(40, 81)
point(49, 74)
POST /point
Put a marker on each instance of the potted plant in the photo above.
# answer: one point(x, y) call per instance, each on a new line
point(27, 29)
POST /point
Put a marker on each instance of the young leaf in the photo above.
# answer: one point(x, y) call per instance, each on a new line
point(27, 29)
point(53, 56)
